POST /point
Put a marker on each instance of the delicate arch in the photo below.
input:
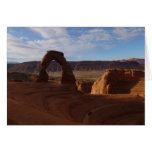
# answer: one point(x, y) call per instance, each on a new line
point(67, 74)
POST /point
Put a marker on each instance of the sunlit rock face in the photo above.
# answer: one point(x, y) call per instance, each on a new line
point(118, 81)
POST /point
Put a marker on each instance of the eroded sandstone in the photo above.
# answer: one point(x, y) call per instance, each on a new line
point(67, 74)
point(118, 81)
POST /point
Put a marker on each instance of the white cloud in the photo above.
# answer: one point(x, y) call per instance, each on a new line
point(50, 32)
point(96, 35)
point(59, 39)
point(24, 38)
point(16, 48)
point(127, 33)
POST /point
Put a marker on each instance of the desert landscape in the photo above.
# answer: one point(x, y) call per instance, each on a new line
point(95, 96)
point(75, 76)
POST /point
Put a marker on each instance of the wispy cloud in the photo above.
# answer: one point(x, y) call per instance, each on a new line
point(96, 35)
point(60, 39)
point(17, 48)
point(127, 33)
point(50, 32)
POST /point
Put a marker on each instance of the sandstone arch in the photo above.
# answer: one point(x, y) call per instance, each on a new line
point(67, 74)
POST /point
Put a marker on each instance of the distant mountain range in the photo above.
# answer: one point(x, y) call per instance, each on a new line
point(12, 62)
point(140, 61)
point(34, 66)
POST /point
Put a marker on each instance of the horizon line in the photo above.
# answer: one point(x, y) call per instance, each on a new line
point(75, 60)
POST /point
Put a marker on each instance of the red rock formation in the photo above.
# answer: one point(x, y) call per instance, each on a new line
point(84, 86)
point(117, 81)
point(67, 74)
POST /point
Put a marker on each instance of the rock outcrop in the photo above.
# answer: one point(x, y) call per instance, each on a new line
point(118, 81)
point(84, 86)
point(67, 74)
point(20, 77)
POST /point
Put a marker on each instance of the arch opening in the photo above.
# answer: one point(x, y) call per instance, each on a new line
point(54, 71)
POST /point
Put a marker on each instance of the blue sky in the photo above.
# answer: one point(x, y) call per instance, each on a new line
point(77, 43)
